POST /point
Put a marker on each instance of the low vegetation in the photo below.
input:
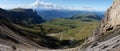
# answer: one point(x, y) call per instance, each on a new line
point(61, 32)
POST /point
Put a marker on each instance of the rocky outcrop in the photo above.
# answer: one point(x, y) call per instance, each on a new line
point(111, 22)
point(107, 35)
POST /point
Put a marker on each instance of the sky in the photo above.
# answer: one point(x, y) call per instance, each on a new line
point(100, 5)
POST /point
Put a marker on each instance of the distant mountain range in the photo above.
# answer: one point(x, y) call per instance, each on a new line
point(37, 16)
point(48, 14)
point(51, 11)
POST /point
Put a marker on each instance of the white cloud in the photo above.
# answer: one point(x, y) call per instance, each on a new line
point(42, 4)
point(45, 5)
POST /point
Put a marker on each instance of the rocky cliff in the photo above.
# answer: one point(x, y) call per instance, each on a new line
point(107, 35)
point(22, 16)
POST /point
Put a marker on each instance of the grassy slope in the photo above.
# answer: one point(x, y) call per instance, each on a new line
point(61, 30)
point(75, 28)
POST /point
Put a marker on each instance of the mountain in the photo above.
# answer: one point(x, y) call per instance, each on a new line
point(22, 16)
point(49, 14)
point(106, 37)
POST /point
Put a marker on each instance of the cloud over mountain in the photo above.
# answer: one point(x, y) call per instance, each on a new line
point(42, 4)
point(45, 5)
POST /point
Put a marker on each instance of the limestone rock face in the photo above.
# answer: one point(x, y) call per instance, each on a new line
point(106, 37)
point(110, 25)
point(114, 14)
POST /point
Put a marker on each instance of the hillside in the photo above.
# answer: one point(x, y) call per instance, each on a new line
point(74, 30)
point(12, 37)
point(62, 24)
point(86, 17)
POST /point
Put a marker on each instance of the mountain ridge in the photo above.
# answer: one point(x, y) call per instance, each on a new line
point(52, 13)
point(22, 16)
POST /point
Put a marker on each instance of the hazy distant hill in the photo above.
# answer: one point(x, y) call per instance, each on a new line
point(86, 17)
point(51, 14)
